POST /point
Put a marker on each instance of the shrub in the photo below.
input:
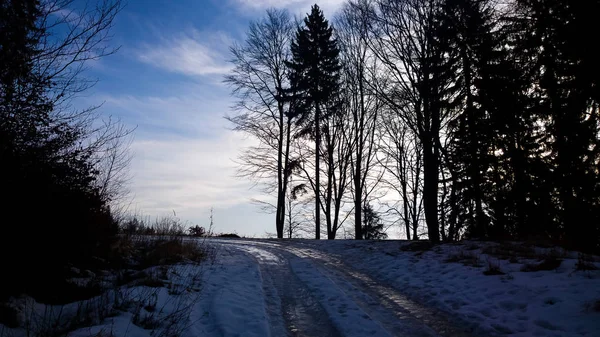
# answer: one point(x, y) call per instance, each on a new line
point(511, 251)
point(466, 258)
point(417, 246)
point(493, 269)
point(197, 231)
point(229, 235)
point(584, 263)
point(549, 263)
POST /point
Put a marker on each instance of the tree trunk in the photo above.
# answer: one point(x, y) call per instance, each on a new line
point(358, 197)
point(287, 173)
point(473, 148)
point(404, 182)
point(329, 193)
point(430, 188)
point(317, 180)
point(358, 235)
point(279, 217)
point(415, 205)
point(358, 178)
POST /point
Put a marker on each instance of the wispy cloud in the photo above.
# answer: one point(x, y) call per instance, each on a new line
point(190, 53)
point(196, 110)
point(184, 158)
point(186, 174)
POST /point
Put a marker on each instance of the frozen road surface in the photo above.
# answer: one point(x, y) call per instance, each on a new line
point(291, 288)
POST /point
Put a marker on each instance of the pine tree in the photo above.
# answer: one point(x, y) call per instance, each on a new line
point(372, 225)
point(314, 78)
point(24, 110)
point(520, 197)
point(469, 24)
point(567, 80)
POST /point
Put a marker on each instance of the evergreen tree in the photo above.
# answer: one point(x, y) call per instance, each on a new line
point(314, 78)
point(519, 196)
point(372, 225)
point(469, 23)
point(44, 169)
point(566, 85)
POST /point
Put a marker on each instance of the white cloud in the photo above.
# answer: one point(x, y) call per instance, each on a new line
point(190, 53)
point(195, 110)
point(191, 176)
point(186, 174)
point(183, 160)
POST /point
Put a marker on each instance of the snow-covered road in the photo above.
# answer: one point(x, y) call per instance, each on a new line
point(277, 288)
point(308, 293)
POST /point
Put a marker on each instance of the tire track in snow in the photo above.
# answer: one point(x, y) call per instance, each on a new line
point(291, 308)
point(350, 308)
point(392, 320)
point(423, 321)
point(355, 303)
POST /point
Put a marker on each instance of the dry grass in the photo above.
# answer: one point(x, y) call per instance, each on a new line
point(129, 281)
point(493, 268)
point(170, 251)
point(585, 263)
point(549, 263)
point(417, 246)
point(511, 251)
point(466, 258)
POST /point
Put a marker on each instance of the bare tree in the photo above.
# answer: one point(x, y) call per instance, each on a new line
point(296, 223)
point(113, 160)
point(402, 36)
point(336, 151)
point(402, 161)
point(359, 68)
point(259, 80)
point(338, 160)
point(74, 36)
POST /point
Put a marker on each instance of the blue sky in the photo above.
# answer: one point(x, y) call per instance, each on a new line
point(166, 80)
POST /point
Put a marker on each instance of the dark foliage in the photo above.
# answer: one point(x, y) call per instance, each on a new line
point(314, 81)
point(197, 231)
point(54, 215)
point(523, 154)
point(229, 235)
point(372, 226)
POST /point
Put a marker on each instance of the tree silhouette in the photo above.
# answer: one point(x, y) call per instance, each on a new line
point(314, 78)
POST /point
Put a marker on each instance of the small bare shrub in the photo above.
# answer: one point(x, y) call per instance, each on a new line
point(466, 258)
point(132, 284)
point(549, 263)
point(511, 251)
point(585, 263)
point(493, 268)
point(417, 246)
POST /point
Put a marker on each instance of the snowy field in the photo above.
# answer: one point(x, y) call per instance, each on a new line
point(348, 288)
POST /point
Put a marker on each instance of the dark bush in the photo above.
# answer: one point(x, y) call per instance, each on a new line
point(197, 231)
point(55, 216)
point(229, 235)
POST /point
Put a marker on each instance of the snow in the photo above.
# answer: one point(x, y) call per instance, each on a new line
point(349, 288)
point(542, 303)
point(233, 302)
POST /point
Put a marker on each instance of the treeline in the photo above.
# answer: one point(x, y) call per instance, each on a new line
point(61, 168)
point(459, 118)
